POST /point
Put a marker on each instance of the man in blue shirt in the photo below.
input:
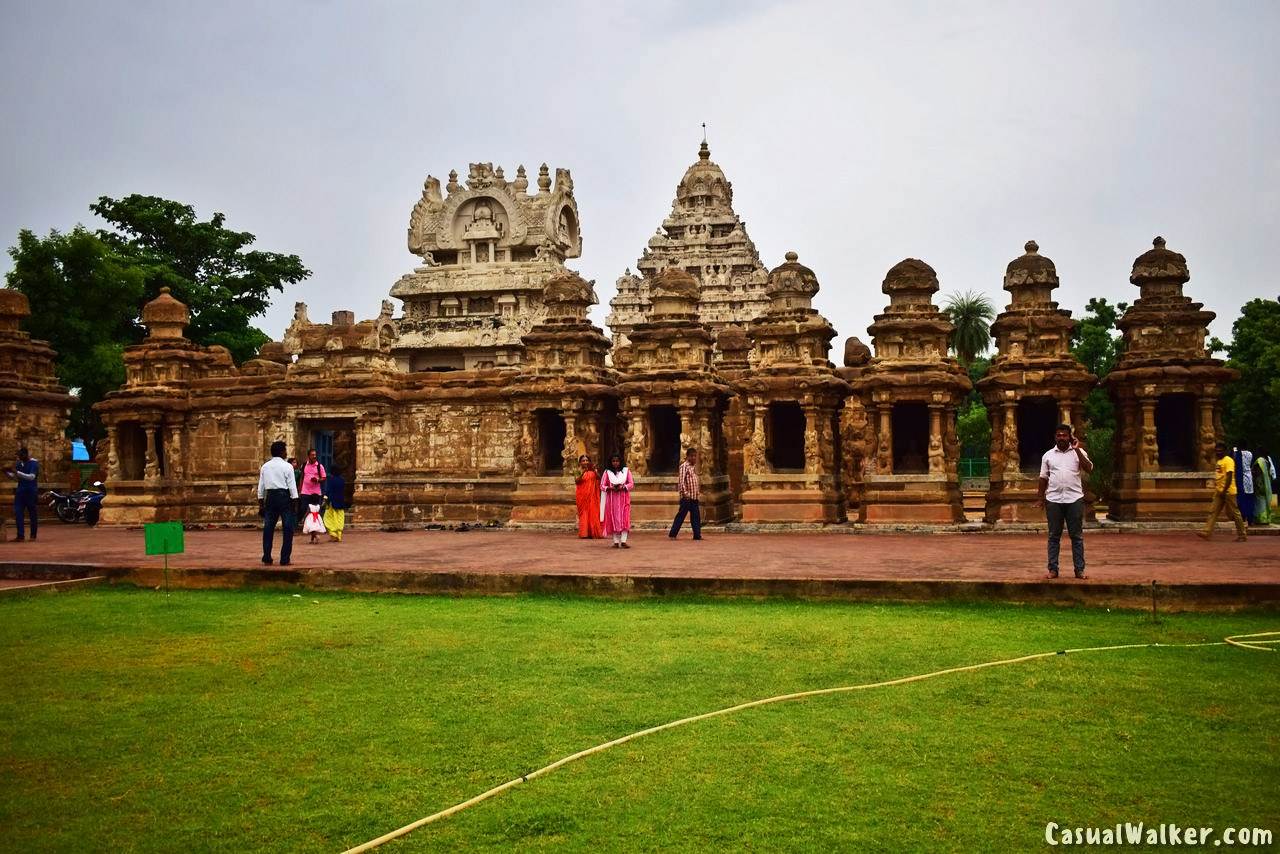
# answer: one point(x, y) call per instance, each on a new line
point(25, 471)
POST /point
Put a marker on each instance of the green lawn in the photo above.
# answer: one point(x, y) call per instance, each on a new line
point(139, 721)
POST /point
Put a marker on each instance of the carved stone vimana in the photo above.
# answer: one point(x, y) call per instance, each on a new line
point(34, 407)
point(1034, 384)
point(705, 238)
point(1167, 390)
point(487, 250)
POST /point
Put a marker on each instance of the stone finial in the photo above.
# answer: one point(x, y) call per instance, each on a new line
point(704, 151)
point(1030, 269)
point(675, 283)
point(791, 279)
point(521, 183)
point(452, 186)
point(911, 276)
point(343, 318)
point(544, 179)
point(856, 354)
point(1159, 264)
point(165, 317)
point(568, 294)
point(273, 351)
point(14, 306)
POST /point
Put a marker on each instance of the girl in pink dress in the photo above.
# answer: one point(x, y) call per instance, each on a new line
point(615, 501)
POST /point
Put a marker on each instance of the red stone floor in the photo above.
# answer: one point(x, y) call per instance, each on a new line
point(1168, 557)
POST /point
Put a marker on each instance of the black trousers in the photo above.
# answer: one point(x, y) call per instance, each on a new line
point(1073, 515)
point(689, 507)
point(278, 507)
point(26, 502)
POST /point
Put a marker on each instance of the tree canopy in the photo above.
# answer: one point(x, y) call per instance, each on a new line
point(1251, 404)
point(87, 289)
point(971, 313)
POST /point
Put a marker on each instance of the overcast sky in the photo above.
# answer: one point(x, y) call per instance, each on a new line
point(855, 134)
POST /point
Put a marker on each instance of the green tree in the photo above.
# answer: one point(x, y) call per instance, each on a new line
point(1251, 404)
point(81, 293)
point(87, 289)
point(971, 313)
point(205, 265)
point(1098, 345)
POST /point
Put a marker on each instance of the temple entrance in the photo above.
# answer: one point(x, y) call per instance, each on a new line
point(335, 443)
point(910, 438)
point(1176, 431)
point(132, 453)
point(664, 430)
point(786, 437)
point(1037, 422)
point(551, 436)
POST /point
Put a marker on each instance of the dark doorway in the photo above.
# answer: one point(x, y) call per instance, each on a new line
point(1037, 421)
point(910, 438)
point(664, 429)
point(1176, 431)
point(551, 434)
point(132, 453)
point(335, 443)
point(786, 436)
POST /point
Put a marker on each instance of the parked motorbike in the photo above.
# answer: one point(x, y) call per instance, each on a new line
point(90, 507)
point(71, 507)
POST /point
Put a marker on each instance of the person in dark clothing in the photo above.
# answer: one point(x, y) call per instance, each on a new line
point(335, 515)
point(26, 471)
point(277, 491)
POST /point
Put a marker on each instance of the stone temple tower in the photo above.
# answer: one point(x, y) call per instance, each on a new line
point(705, 238)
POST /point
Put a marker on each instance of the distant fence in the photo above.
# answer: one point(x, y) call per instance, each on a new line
point(974, 467)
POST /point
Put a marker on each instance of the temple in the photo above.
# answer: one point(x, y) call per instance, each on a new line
point(1167, 391)
point(1034, 384)
point(475, 402)
point(487, 249)
point(705, 238)
point(34, 407)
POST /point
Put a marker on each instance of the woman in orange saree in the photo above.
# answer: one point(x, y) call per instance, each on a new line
point(588, 497)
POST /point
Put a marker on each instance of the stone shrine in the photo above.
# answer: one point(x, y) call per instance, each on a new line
point(487, 250)
point(910, 391)
point(1167, 390)
point(669, 399)
point(34, 408)
point(1034, 384)
point(792, 397)
point(705, 238)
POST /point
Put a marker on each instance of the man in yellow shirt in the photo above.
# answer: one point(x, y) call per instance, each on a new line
point(1224, 495)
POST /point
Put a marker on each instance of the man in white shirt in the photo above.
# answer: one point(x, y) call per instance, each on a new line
point(277, 491)
point(1062, 471)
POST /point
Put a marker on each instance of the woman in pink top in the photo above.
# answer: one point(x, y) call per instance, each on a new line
point(615, 501)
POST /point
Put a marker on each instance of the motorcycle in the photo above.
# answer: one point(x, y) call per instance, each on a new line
point(71, 507)
point(90, 507)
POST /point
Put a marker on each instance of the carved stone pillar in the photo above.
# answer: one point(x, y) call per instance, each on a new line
point(637, 441)
point(1208, 436)
point(937, 459)
point(1012, 458)
point(812, 451)
point(884, 440)
point(527, 450)
point(569, 454)
point(1064, 414)
point(173, 458)
point(1149, 454)
point(152, 469)
point(754, 460)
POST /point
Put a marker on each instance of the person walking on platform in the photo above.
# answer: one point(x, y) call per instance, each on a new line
point(687, 486)
point(1224, 496)
point(277, 492)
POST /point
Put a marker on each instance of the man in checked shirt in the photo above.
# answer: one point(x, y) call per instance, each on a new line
point(687, 485)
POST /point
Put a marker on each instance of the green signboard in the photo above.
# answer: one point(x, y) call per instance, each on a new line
point(163, 538)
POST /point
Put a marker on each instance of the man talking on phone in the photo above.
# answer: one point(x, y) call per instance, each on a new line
point(1062, 471)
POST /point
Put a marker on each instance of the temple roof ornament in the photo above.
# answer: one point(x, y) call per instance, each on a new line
point(165, 317)
point(791, 279)
point(1159, 264)
point(705, 238)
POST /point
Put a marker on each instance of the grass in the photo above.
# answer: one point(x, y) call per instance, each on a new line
point(238, 721)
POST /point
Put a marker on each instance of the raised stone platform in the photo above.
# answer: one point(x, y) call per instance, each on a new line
point(1189, 574)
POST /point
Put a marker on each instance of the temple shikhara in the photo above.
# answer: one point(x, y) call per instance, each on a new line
point(473, 399)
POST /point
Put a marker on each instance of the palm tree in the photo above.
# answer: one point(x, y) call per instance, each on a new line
point(971, 313)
